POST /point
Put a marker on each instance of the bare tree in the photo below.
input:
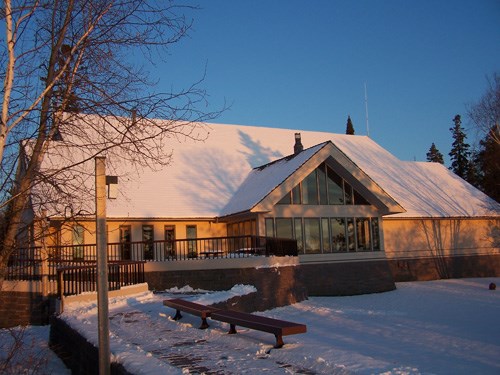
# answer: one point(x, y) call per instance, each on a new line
point(485, 114)
point(67, 58)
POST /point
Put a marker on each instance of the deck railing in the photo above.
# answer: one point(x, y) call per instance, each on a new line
point(78, 279)
point(184, 249)
point(29, 266)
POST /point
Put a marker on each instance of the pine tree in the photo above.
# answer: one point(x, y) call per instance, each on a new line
point(459, 153)
point(487, 161)
point(349, 128)
point(434, 155)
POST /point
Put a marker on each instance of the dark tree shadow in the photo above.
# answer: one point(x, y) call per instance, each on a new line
point(212, 178)
point(258, 154)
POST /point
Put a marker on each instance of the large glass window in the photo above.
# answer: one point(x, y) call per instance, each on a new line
point(325, 235)
point(323, 186)
point(284, 228)
point(78, 241)
point(148, 241)
point(269, 227)
point(363, 234)
point(296, 195)
point(310, 189)
point(359, 199)
point(297, 223)
point(312, 239)
point(348, 193)
point(323, 196)
point(287, 199)
point(351, 244)
point(338, 230)
point(335, 188)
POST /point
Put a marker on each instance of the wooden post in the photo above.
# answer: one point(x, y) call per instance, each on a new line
point(102, 265)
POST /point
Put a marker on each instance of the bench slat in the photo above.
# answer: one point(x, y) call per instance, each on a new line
point(261, 323)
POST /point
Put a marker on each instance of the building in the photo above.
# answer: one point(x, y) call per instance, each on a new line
point(362, 218)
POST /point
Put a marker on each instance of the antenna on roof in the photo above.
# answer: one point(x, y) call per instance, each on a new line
point(366, 112)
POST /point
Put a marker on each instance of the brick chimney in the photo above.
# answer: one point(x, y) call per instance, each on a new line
point(297, 148)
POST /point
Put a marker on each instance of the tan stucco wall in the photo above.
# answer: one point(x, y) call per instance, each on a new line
point(421, 238)
point(204, 229)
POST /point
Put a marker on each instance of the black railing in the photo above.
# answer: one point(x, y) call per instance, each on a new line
point(29, 267)
point(78, 279)
point(183, 249)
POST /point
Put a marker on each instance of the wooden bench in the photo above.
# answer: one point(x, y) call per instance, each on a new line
point(191, 308)
point(278, 327)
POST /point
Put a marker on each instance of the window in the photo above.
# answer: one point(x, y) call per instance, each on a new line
point(125, 242)
point(55, 234)
point(78, 241)
point(148, 241)
point(284, 228)
point(297, 223)
point(269, 227)
point(312, 235)
point(363, 234)
point(325, 234)
point(359, 199)
point(348, 193)
point(296, 195)
point(337, 230)
point(323, 196)
point(169, 241)
point(287, 199)
point(335, 188)
point(191, 234)
point(310, 189)
point(375, 233)
point(351, 244)
point(323, 186)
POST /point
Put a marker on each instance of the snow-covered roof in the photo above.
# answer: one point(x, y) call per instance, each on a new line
point(204, 176)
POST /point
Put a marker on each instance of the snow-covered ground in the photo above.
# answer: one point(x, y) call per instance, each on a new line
point(435, 327)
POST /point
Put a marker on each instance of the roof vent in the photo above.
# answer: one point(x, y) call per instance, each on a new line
point(297, 148)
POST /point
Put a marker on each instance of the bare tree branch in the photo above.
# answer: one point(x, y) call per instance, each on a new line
point(69, 58)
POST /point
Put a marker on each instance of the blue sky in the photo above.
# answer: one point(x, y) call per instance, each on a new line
point(303, 65)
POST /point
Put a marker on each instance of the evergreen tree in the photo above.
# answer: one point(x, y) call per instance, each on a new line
point(349, 128)
point(459, 153)
point(487, 163)
point(434, 155)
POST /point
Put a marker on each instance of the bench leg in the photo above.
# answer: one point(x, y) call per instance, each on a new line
point(232, 329)
point(279, 341)
point(204, 324)
point(177, 315)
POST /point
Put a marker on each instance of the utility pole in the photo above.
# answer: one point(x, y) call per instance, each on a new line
point(102, 265)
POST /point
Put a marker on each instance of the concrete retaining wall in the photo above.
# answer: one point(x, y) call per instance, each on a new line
point(76, 352)
point(349, 278)
point(445, 267)
point(276, 286)
point(23, 308)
